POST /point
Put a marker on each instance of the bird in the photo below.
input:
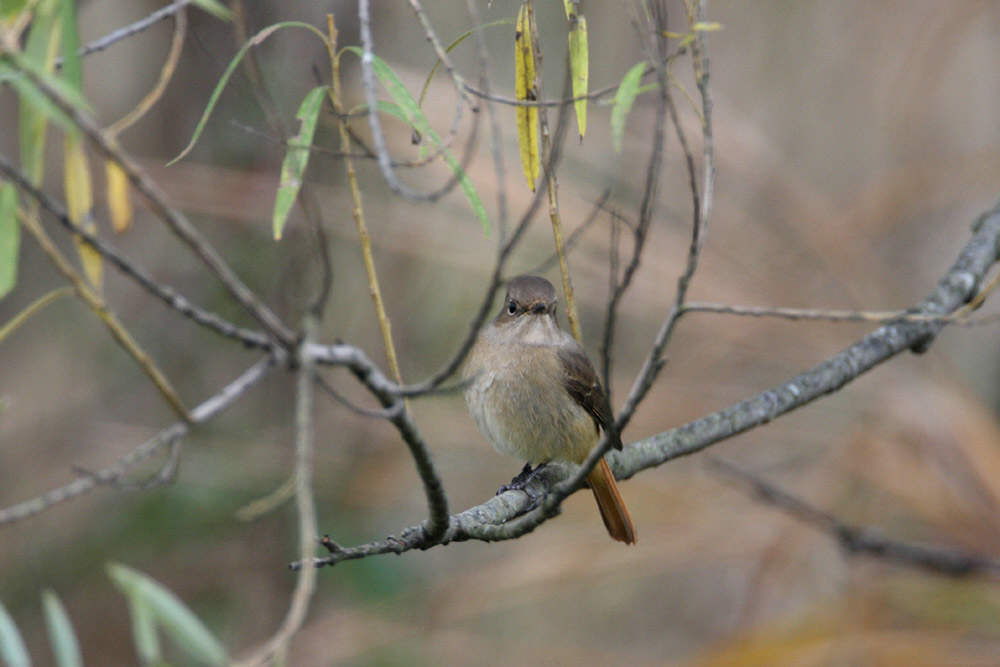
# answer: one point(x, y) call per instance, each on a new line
point(533, 393)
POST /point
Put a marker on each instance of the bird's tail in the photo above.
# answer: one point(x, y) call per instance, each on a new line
point(609, 501)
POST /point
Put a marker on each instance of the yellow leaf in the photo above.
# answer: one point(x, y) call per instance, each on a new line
point(80, 204)
point(119, 202)
point(526, 90)
point(579, 62)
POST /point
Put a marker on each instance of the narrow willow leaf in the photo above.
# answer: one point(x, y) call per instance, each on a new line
point(706, 26)
point(72, 72)
point(61, 636)
point(293, 168)
point(119, 201)
point(11, 8)
point(80, 204)
point(526, 91)
point(144, 636)
point(233, 64)
point(40, 52)
point(627, 90)
point(215, 8)
point(12, 649)
point(10, 238)
point(177, 621)
point(407, 109)
point(579, 62)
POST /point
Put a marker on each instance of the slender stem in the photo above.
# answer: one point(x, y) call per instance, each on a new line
point(101, 309)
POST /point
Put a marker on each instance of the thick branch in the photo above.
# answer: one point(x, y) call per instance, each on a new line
point(488, 521)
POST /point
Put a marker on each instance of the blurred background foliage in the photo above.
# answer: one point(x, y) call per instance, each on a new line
point(856, 142)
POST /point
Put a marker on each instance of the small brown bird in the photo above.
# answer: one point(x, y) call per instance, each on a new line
point(534, 394)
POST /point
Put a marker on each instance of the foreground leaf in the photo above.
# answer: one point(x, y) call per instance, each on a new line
point(170, 613)
point(12, 649)
point(61, 635)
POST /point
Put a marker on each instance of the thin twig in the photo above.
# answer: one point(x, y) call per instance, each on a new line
point(175, 220)
point(34, 307)
point(959, 317)
point(860, 540)
point(701, 207)
point(496, 149)
point(166, 73)
point(132, 28)
point(647, 204)
point(166, 294)
point(100, 308)
point(276, 649)
point(199, 415)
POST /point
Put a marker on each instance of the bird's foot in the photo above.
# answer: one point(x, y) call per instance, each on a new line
point(520, 483)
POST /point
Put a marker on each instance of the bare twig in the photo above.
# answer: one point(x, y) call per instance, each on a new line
point(133, 28)
point(496, 150)
point(100, 308)
point(958, 318)
point(201, 414)
point(860, 540)
point(166, 294)
point(166, 73)
point(702, 208)
point(174, 219)
point(655, 53)
point(275, 650)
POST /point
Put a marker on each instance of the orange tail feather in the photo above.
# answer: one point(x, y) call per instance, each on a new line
point(609, 501)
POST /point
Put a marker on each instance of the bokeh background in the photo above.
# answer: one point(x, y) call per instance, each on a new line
point(856, 143)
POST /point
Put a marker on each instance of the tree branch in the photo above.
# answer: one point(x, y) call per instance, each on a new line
point(859, 540)
point(489, 520)
point(167, 437)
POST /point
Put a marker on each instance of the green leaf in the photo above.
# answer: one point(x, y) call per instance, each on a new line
point(233, 64)
point(177, 621)
point(408, 110)
point(293, 168)
point(39, 50)
point(11, 8)
point(10, 238)
point(64, 645)
point(579, 62)
point(215, 8)
point(12, 649)
point(147, 642)
point(72, 72)
point(627, 90)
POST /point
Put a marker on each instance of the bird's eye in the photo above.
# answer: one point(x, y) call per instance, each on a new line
point(512, 308)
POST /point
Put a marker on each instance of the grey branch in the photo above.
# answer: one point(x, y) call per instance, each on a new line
point(859, 540)
point(167, 294)
point(165, 438)
point(489, 521)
